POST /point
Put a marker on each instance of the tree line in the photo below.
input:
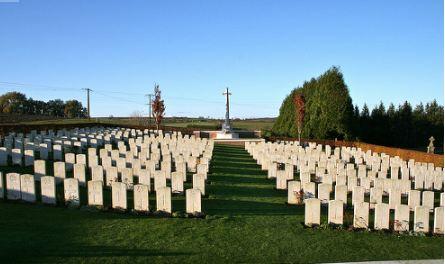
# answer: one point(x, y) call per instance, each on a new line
point(403, 126)
point(330, 114)
point(18, 103)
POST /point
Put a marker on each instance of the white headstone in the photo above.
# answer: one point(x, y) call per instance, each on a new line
point(193, 201)
point(413, 199)
point(127, 177)
point(141, 203)
point(421, 219)
point(39, 169)
point(309, 190)
point(312, 212)
point(160, 181)
point(57, 152)
point(59, 171)
point(361, 215)
point(95, 193)
point(199, 182)
point(294, 192)
point(352, 182)
point(71, 191)
point(394, 198)
point(3, 156)
point(13, 186)
point(17, 156)
point(43, 151)
point(111, 175)
point(324, 192)
point(163, 199)
point(401, 218)
point(281, 180)
point(438, 220)
point(81, 159)
point(177, 182)
point(29, 157)
point(70, 160)
point(79, 173)
point(119, 195)
point(428, 199)
point(381, 216)
point(358, 194)
point(144, 178)
point(28, 188)
point(341, 193)
point(48, 189)
point(335, 212)
point(97, 173)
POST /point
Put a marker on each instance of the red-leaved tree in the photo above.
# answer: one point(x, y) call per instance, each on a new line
point(157, 107)
point(299, 102)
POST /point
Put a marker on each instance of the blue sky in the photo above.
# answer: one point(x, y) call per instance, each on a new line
point(389, 51)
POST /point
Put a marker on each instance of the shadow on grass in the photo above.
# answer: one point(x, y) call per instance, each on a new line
point(252, 179)
point(221, 191)
point(235, 171)
point(250, 208)
point(82, 251)
point(240, 187)
point(109, 251)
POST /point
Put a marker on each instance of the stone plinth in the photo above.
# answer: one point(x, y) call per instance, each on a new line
point(230, 135)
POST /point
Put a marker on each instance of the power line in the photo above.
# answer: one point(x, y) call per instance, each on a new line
point(39, 85)
point(106, 93)
point(118, 98)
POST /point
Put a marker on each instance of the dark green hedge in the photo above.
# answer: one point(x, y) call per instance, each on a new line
point(329, 109)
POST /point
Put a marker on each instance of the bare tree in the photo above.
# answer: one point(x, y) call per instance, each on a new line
point(157, 106)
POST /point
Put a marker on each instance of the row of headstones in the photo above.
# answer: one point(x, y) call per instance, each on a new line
point(421, 222)
point(298, 191)
point(86, 136)
point(23, 187)
point(374, 160)
point(93, 159)
point(307, 154)
point(351, 174)
point(95, 140)
point(432, 181)
point(351, 181)
point(125, 175)
point(26, 157)
point(305, 174)
point(282, 176)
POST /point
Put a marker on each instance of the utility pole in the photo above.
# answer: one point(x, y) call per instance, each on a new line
point(88, 101)
point(149, 107)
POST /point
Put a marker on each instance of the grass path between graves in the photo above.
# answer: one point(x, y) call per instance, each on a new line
point(248, 221)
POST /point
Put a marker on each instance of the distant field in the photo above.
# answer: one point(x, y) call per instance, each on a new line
point(199, 123)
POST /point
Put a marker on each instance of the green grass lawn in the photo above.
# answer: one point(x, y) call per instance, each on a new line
point(247, 221)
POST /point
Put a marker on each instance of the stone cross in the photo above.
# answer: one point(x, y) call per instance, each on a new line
point(226, 126)
point(430, 148)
